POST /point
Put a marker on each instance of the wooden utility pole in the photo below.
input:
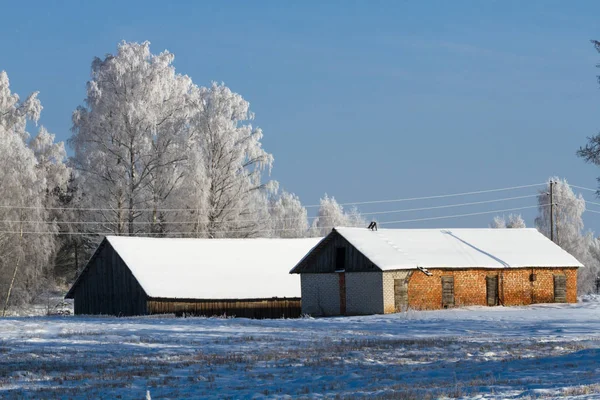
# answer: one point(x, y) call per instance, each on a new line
point(557, 223)
point(76, 258)
point(551, 213)
point(12, 282)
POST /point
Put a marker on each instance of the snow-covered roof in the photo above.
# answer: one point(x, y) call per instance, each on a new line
point(213, 268)
point(391, 249)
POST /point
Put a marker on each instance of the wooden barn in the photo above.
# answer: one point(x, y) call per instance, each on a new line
point(235, 277)
point(357, 271)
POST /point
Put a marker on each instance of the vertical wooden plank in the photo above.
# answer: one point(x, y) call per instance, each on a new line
point(447, 291)
point(400, 294)
point(560, 288)
point(342, 283)
point(491, 283)
point(260, 308)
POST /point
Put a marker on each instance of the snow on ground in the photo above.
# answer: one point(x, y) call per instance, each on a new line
point(48, 303)
point(542, 351)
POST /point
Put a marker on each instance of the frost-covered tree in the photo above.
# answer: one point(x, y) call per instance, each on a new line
point(568, 211)
point(569, 228)
point(498, 222)
point(512, 221)
point(30, 171)
point(134, 125)
point(224, 184)
point(355, 218)
point(74, 249)
point(50, 157)
point(157, 154)
point(288, 217)
point(331, 214)
point(515, 221)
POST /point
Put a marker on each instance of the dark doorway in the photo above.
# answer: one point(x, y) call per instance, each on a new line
point(447, 291)
point(400, 295)
point(560, 289)
point(491, 283)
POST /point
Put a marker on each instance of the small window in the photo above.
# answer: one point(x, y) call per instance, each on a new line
point(340, 258)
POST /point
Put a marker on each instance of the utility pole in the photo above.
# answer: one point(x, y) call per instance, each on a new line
point(12, 282)
point(557, 223)
point(551, 213)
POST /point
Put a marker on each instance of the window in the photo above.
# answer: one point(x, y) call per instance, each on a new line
point(340, 258)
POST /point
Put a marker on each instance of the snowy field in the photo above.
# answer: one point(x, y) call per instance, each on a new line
point(543, 351)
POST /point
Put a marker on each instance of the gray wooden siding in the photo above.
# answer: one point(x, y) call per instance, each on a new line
point(323, 258)
point(108, 287)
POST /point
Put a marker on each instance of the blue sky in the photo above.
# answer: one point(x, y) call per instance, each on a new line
point(363, 100)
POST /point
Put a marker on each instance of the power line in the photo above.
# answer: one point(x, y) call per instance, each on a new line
point(443, 195)
point(279, 230)
point(584, 188)
point(450, 205)
point(306, 206)
point(460, 215)
point(280, 219)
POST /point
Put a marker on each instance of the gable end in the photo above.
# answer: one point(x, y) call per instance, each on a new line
point(71, 293)
point(116, 259)
point(334, 253)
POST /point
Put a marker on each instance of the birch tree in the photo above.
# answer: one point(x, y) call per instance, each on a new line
point(30, 170)
point(132, 126)
point(288, 217)
point(226, 162)
point(74, 248)
point(513, 221)
point(157, 154)
point(498, 222)
point(332, 214)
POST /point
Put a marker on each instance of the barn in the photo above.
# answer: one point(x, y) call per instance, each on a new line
point(237, 277)
point(356, 271)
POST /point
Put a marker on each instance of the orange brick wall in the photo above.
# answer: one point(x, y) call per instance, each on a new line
point(514, 286)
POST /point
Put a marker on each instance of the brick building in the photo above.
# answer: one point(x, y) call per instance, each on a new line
point(358, 271)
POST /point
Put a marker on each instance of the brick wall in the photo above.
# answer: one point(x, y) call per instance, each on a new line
point(514, 286)
point(363, 293)
point(320, 294)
